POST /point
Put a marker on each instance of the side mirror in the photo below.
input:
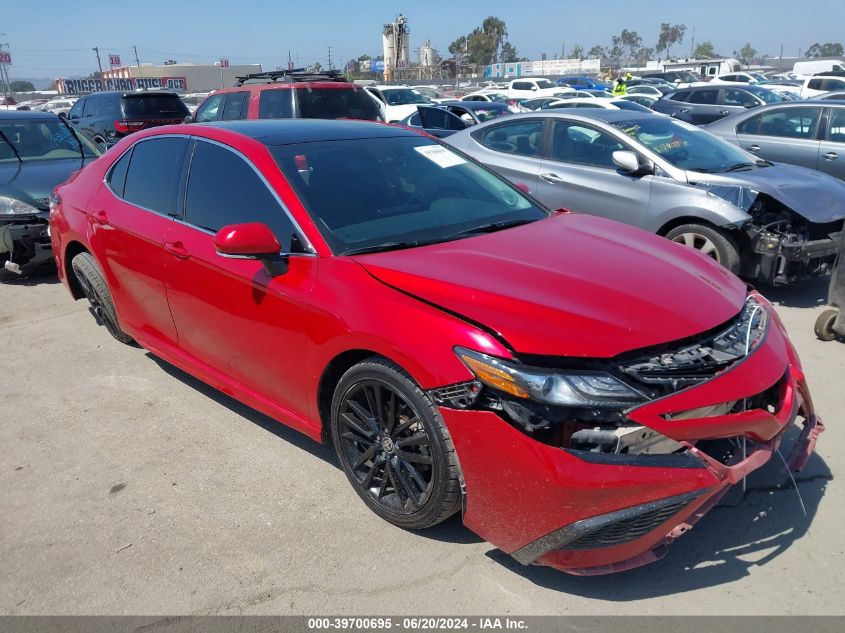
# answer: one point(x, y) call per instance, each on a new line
point(252, 240)
point(63, 115)
point(189, 118)
point(629, 162)
point(749, 104)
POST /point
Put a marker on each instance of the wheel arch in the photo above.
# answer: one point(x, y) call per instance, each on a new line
point(684, 219)
point(329, 378)
point(73, 249)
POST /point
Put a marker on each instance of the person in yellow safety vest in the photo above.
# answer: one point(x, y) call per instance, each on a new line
point(620, 88)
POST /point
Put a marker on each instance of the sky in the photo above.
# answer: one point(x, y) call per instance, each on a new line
point(52, 38)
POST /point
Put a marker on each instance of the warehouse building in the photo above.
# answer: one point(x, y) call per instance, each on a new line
point(177, 77)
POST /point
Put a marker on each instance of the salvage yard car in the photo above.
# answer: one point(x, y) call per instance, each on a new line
point(766, 222)
point(582, 390)
point(38, 150)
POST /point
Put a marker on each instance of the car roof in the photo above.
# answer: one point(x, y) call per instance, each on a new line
point(133, 93)
point(479, 105)
point(6, 115)
point(603, 114)
point(289, 131)
point(331, 85)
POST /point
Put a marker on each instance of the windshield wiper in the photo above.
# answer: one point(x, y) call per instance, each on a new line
point(78, 141)
point(387, 246)
point(740, 166)
point(14, 149)
point(492, 227)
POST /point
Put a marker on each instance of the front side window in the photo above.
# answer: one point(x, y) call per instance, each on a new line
point(522, 85)
point(735, 97)
point(833, 84)
point(582, 145)
point(515, 137)
point(224, 189)
point(397, 192)
point(785, 123)
point(76, 110)
point(92, 106)
point(685, 146)
point(210, 108)
point(153, 174)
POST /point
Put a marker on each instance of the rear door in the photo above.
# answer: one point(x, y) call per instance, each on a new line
point(511, 148)
point(786, 135)
point(130, 217)
point(235, 106)
point(235, 321)
point(579, 174)
point(832, 147)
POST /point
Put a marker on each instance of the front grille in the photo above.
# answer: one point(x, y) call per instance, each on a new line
point(458, 396)
point(626, 530)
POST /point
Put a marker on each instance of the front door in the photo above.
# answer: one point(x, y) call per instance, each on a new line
point(579, 175)
point(234, 320)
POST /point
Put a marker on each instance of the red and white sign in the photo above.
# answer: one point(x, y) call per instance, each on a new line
point(114, 60)
point(224, 63)
point(5, 58)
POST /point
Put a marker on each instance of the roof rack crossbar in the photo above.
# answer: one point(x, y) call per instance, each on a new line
point(292, 75)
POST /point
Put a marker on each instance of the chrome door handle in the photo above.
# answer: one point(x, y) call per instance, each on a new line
point(753, 148)
point(724, 111)
point(552, 178)
point(831, 156)
point(176, 248)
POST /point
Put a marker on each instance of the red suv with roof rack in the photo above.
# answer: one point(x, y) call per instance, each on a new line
point(289, 94)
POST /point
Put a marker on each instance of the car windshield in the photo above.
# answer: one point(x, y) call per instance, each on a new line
point(623, 104)
point(404, 96)
point(42, 139)
point(684, 145)
point(769, 96)
point(545, 83)
point(397, 192)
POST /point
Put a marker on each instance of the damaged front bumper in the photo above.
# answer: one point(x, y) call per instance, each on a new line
point(25, 243)
point(593, 513)
point(784, 259)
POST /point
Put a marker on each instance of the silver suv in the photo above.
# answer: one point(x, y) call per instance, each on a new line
point(772, 223)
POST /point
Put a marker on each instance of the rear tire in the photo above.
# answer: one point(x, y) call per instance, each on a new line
point(824, 325)
point(98, 294)
point(393, 446)
point(713, 242)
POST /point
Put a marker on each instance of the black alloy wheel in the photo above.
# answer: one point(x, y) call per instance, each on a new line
point(393, 446)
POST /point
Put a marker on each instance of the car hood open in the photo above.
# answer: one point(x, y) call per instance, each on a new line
point(570, 285)
point(816, 196)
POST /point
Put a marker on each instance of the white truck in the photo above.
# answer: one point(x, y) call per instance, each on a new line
point(525, 88)
point(818, 66)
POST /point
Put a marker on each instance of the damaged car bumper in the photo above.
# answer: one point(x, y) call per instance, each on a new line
point(25, 243)
point(587, 511)
point(783, 259)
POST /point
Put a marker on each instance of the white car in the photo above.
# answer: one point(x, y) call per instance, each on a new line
point(531, 88)
point(815, 86)
point(495, 96)
point(434, 93)
point(58, 106)
point(193, 99)
point(607, 104)
point(397, 102)
point(645, 89)
point(738, 78)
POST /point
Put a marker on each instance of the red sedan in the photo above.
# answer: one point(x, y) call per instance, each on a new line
point(582, 390)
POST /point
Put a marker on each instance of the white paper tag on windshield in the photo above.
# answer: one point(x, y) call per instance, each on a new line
point(440, 155)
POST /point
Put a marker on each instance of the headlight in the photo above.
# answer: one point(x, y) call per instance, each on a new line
point(11, 206)
point(741, 197)
point(564, 388)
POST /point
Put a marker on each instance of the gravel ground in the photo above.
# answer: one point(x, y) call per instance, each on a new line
point(128, 487)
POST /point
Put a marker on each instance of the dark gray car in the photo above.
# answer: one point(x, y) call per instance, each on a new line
point(704, 104)
point(806, 133)
point(768, 222)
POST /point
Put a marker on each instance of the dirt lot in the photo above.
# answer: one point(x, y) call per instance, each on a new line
point(127, 486)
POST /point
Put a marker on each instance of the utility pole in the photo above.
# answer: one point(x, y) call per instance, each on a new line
point(330, 57)
point(780, 62)
point(137, 61)
point(4, 71)
point(99, 63)
point(692, 44)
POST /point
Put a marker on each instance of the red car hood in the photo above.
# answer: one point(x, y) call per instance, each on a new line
point(571, 285)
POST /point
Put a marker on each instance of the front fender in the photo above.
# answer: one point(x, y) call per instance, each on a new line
point(671, 200)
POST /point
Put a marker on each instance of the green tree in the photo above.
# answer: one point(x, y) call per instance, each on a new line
point(578, 51)
point(21, 86)
point(642, 55)
point(746, 53)
point(829, 49)
point(704, 50)
point(484, 44)
point(616, 50)
point(509, 53)
point(630, 42)
point(596, 52)
point(364, 58)
point(670, 34)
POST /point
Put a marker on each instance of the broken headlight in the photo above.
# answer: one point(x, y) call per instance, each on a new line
point(741, 197)
point(565, 388)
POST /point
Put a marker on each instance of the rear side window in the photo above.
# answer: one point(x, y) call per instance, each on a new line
point(706, 97)
point(522, 85)
point(117, 177)
point(276, 104)
point(336, 103)
point(514, 137)
point(836, 129)
point(815, 84)
point(680, 96)
point(108, 105)
point(154, 173)
point(224, 189)
point(785, 123)
point(236, 105)
point(154, 106)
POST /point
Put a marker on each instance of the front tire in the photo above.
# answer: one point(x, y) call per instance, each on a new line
point(394, 446)
point(713, 242)
point(98, 294)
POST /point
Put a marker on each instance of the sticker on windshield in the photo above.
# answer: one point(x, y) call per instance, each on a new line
point(440, 156)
